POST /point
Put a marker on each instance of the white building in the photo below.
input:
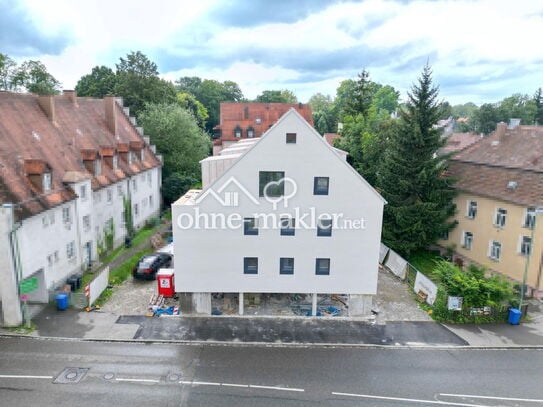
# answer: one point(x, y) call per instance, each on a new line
point(69, 165)
point(282, 214)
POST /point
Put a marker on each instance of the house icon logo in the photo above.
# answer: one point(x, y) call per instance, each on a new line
point(228, 198)
point(232, 198)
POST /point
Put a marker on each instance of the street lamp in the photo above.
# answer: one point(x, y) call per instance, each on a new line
point(538, 211)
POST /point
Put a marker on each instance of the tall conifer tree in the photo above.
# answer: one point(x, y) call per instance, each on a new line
point(412, 180)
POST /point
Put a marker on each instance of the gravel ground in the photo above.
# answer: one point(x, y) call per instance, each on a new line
point(394, 301)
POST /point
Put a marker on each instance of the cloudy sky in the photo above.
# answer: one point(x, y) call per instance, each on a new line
point(480, 50)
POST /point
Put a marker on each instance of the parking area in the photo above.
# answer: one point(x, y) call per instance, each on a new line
point(394, 302)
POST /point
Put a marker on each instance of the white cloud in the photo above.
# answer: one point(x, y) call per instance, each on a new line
point(465, 41)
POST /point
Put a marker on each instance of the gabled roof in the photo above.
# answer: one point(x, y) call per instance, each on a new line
point(511, 157)
point(61, 138)
point(256, 146)
point(258, 116)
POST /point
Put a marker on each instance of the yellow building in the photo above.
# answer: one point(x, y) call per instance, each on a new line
point(500, 185)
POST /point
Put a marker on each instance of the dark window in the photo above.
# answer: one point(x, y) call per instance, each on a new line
point(320, 186)
point(250, 132)
point(529, 218)
point(288, 226)
point(249, 226)
point(501, 215)
point(246, 112)
point(271, 183)
point(322, 267)
point(324, 227)
point(286, 265)
point(250, 265)
point(291, 138)
point(472, 209)
point(237, 132)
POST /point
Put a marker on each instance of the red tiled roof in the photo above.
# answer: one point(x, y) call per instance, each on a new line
point(79, 132)
point(331, 137)
point(507, 165)
point(259, 116)
point(459, 141)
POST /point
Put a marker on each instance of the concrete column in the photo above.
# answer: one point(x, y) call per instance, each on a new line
point(9, 293)
point(240, 298)
point(201, 303)
point(314, 306)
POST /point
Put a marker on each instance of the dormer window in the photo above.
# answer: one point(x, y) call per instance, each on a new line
point(237, 132)
point(97, 167)
point(46, 182)
point(115, 162)
point(250, 132)
point(142, 155)
point(130, 157)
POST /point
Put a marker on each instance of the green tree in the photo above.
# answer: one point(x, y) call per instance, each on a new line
point(210, 93)
point(198, 110)
point(386, 98)
point(517, 106)
point(33, 76)
point(464, 110)
point(137, 82)
point(8, 69)
point(99, 83)
point(324, 113)
point(486, 118)
point(277, 96)
point(177, 137)
point(420, 198)
point(538, 100)
point(176, 185)
point(344, 93)
point(361, 98)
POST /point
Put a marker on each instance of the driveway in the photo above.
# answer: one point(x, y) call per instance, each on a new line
point(394, 300)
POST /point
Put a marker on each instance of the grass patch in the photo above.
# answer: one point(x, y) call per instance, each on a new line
point(425, 262)
point(118, 275)
point(25, 329)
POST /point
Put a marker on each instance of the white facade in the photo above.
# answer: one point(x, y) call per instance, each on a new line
point(212, 259)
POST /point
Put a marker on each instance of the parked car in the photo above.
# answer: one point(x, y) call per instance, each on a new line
point(148, 265)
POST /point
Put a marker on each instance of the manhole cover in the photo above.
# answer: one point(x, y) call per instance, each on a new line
point(173, 377)
point(109, 376)
point(71, 375)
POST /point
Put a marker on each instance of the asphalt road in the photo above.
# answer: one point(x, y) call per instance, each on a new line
point(46, 372)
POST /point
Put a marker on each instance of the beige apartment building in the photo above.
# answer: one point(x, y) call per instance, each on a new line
point(500, 184)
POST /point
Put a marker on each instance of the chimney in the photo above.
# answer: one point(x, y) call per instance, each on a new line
point(500, 130)
point(111, 114)
point(71, 95)
point(47, 104)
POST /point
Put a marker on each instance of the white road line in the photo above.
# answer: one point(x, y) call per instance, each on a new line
point(234, 385)
point(256, 386)
point(138, 380)
point(10, 376)
point(206, 383)
point(491, 397)
point(442, 403)
point(184, 382)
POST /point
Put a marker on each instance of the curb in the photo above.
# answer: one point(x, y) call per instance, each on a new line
point(275, 344)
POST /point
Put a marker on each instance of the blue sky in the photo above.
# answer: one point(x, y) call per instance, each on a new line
point(480, 50)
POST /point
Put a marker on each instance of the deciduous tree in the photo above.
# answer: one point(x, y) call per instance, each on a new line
point(99, 83)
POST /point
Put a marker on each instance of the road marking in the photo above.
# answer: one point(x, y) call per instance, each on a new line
point(442, 403)
point(256, 386)
point(206, 383)
point(252, 386)
point(138, 380)
point(10, 376)
point(234, 385)
point(491, 397)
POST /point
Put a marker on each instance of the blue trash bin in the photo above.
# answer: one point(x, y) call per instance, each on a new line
point(514, 316)
point(62, 301)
